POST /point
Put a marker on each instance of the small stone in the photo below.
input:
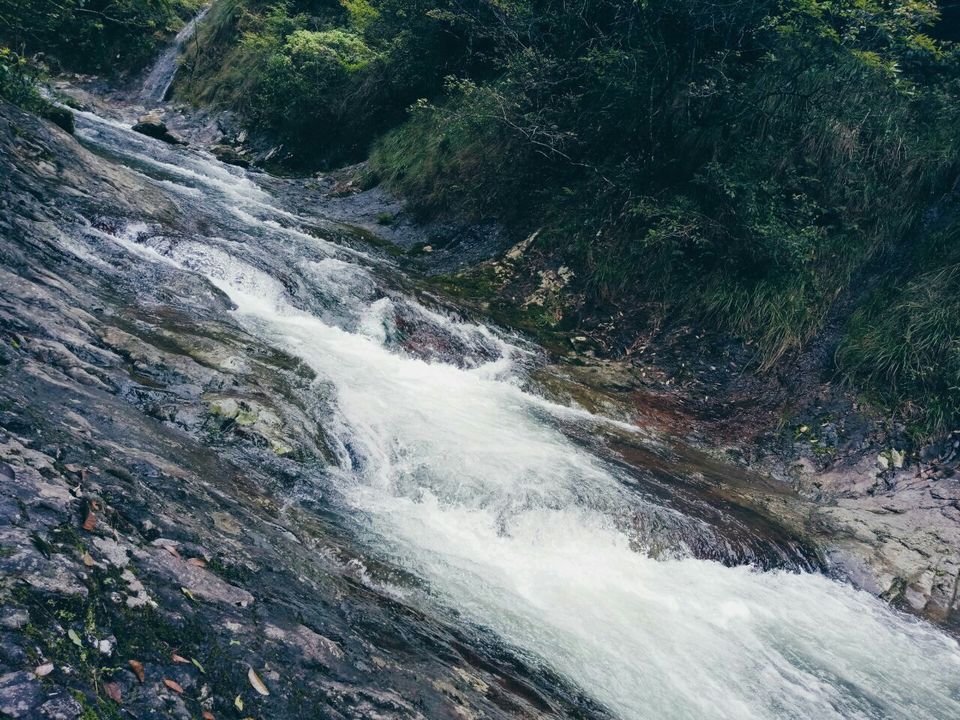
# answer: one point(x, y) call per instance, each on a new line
point(62, 707)
point(897, 458)
point(15, 619)
point(225, 522)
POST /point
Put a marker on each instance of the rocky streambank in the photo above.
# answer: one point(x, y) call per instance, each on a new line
point(165, 548)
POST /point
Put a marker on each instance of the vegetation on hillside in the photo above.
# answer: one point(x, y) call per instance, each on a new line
point(97, 36)
point(325, 77)
point(738, 163)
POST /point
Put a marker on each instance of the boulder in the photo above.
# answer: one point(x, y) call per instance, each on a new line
point(230, 155)
point(60, 116)
point(152, 126)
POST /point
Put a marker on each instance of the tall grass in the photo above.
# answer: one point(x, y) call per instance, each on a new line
point(903, 343)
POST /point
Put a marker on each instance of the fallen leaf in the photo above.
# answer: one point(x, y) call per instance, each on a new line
point(197, 562)
point(88, 560)
point(207, 715)
point(137, 668)
point(173, 685)
point(179, 658)
point(113, 692)
point(91, 522)
point(238, 703)
point(74, 638)
point(188, 593)
point(43, 670)
point(257, 682)
point(172, 550)
point(198, 665)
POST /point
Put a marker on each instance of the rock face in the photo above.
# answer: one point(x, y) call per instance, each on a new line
point(893, 531)
point(153, 126)
point(888, 523)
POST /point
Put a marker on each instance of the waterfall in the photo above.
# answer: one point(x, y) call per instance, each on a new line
point(157, 84)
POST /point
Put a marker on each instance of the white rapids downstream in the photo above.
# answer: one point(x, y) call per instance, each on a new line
point(451, 470)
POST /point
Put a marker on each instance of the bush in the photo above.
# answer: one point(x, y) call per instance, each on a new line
point(746, 187)
point(314, 92)
point(20, 84)
point(19, 80)
point(325, 78)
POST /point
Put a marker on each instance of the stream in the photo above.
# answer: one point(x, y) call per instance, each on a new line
point(498, 509)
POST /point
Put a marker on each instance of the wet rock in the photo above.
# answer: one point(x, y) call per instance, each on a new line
point(312, 646)
point(112, 551)
point(344, 188)
point(19, 695)
point(230, 155)
point(253, 419)
point(225, 522)
point(152, 126)
point(61, 707)
point(200, 582)
point(14, 619)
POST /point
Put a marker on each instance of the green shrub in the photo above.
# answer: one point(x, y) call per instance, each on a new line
point(745, 187)
point(20, 84)
point(325, 78)
point(315, 91)
point(19, 80)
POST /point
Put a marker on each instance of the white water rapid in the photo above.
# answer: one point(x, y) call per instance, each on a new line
point(449, 469)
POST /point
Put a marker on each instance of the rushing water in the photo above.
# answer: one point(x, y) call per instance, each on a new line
point(446, 466)
point(158, 81)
